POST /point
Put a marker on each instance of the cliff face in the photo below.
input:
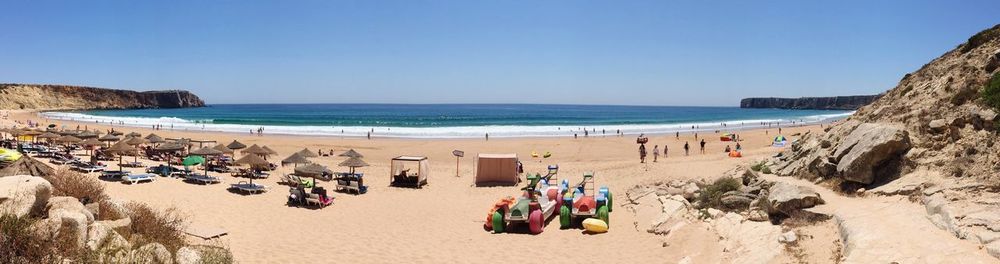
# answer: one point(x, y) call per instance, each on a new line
point(822, 103)
point(62, 97)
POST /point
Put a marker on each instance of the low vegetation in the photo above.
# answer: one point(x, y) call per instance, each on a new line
point(761, 167)
point(991, 93)
point(711, 195)
point(982, 38)
point(74, 184)
point(149, 225)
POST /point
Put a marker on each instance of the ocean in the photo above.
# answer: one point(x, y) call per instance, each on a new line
point(452, 120)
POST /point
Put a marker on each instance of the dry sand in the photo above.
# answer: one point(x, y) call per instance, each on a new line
point(443, 222)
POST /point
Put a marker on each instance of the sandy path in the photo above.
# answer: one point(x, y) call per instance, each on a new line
point(891, 229)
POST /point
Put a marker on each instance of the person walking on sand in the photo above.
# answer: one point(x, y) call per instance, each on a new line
point(702, 146)
point(642, 153)
point(656, 152)
point(665, 151)
point(686, 148)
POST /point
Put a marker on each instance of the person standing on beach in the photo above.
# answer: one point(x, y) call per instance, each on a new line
point(702, 146)
point(686, 148)
point(665, 148)
point(642, 153)
point(656, 152)
point(487, 136)
point(677, 135)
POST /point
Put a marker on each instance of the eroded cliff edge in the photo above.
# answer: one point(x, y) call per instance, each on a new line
point(821, 103)
point(65, 97)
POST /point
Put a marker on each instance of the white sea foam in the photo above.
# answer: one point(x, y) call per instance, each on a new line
point(443, 132)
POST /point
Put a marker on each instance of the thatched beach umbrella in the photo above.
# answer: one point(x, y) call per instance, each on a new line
point(253, 161)
point(223, 149)
point(86, 135)
point(307, 153)
point(108, 138)
point(121, 149)
point(67, 139)
point(256, 150)
point(155, 139)
point(48, 135)
point(206, 151)
point(27, 166)
point(116, 133)
point(296, 159)
point(312, 170)
point(170, 148)
point(353, 162)
point(352, 154)
point(236, 145)
point(133, 134)
point(135, 141)
point(269, 150)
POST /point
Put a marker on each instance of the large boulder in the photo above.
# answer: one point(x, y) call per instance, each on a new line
point(187, 255)
point(97, 233)
point(153, 253)
point(866, 148)
point(24, 195)
point(66, 203)
point(788, 199)
point(72, 224)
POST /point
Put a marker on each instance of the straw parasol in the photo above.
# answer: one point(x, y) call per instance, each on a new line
point(235, 145)
point(135, 141)
point(206, 151)
point(153, 138)
point(353, 162)
point(223, 148)
point(121, 149)
point(27, 166)
point(352, 154)
point(269, 150)
point(256, 150)
point(86, 134)
point(296, 159)
point(68, 139)
point(133, 134)
point(311, 170)
point(253, 161)
point(48, 135)
point(170, 146)
point(116, 133)
point(307, 153)
point(90, 142)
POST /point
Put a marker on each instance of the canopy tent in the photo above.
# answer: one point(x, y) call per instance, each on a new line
point(779, 141)
point(409, 170)
point(496, 169)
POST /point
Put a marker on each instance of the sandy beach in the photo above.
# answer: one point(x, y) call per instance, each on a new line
point(443, 221)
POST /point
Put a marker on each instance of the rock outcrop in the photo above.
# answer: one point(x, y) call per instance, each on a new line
point(821, 103)
point(64, 97)
point(936, 122)
point(24, 195)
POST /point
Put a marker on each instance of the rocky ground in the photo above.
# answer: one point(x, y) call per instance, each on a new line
point(78, 226)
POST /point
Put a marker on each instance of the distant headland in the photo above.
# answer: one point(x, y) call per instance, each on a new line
point(820, 103)
point(67, 97)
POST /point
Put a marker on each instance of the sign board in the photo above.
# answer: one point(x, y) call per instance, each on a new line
point(458, 153)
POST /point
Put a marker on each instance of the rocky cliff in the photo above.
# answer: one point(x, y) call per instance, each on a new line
point(52, 97)
point(823, 103)
point(932, 138)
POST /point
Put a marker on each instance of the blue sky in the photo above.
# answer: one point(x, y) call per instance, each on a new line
point(572, 52)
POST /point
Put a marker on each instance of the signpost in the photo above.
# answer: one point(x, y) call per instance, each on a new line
point(458, 156)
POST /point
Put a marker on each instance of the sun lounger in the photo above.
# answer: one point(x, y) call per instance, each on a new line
point(89, 168)
point(312, 198)
point(133, 164)
point(250, 188)
point(351, 183)
point(203, 179)
point(115, 174)
point(137, 178)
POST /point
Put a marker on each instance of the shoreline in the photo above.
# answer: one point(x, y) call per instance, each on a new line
point(443, 132)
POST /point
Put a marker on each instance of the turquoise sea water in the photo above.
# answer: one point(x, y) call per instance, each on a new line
point(451, 120)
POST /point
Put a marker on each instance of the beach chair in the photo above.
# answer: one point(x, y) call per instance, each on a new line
point(203, 179)
point(351, 183)
point(297, 196)
point(115, 174)
point(137, 178)
point(291, 180)
point(249, 188)
point(318, 197)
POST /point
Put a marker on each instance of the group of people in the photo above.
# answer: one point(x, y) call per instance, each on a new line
point(642, 140)
point(260, 131)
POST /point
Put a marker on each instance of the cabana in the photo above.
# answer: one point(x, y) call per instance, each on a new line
point(496, 169)
point(409, 171)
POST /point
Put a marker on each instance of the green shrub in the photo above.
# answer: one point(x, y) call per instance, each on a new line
point(766, 170)
point(761, 167)
point(711, 195)
point(981, 38)
point(991, 93)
